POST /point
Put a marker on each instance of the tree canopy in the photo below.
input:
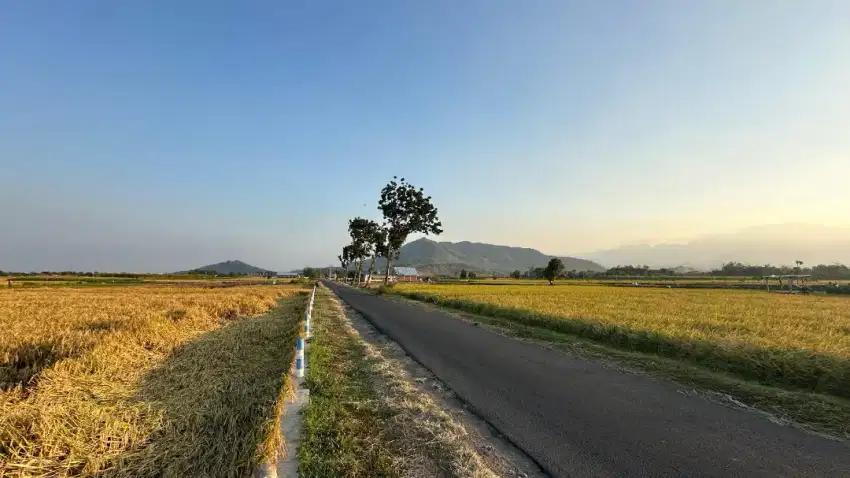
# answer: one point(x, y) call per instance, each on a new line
point(406, 210)
point(554, 269)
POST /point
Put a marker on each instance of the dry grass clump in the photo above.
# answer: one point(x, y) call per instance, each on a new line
point(140, 381)
point(792, 340)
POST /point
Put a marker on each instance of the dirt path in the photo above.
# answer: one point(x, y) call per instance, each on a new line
point(576, 417)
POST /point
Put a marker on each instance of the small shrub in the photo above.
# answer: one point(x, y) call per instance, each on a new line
point(385, 288)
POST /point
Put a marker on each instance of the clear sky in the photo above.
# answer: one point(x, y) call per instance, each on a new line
point(162, 135)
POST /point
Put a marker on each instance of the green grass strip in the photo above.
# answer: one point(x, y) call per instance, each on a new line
point(343, 432)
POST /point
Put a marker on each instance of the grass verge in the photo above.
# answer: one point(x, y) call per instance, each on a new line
point(343, 432)
point(813, 411)
point(367, 417)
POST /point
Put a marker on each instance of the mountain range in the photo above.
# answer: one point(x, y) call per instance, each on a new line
point(772, 244)
point(779, 244)
point(449, 258)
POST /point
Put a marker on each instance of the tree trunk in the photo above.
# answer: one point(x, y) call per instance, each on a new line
point(359, 268)
point(372, 267)
point(389, 260)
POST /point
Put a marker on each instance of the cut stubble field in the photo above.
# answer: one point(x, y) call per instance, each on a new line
point(143, 380)
point(795, 341)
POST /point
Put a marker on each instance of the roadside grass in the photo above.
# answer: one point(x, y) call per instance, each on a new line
point(816, 412)
point(143, 381)
point(344, 434)
point(366, 415)
point(796, 342)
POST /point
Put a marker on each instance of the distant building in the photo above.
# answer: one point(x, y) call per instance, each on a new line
point(294, 275)
point(398, 274)
point(369, 278)
point(405, 274)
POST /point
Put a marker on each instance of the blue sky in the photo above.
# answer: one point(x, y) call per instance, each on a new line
point(163, 135)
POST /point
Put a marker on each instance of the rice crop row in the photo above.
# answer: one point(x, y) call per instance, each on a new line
point(142, 381)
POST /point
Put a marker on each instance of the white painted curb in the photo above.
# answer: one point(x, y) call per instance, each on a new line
point(290, 423)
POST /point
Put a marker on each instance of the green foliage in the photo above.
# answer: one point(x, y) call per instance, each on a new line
point(347, 257)
point(516, 274)
point(463, 274)
point(367, 238)
point(360, 231)
point(406, 210)
point(554, 269)
point(311, 273)
point(378, 238)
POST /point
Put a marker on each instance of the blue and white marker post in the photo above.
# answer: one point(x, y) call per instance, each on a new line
point(306, 332)
point(299, 357)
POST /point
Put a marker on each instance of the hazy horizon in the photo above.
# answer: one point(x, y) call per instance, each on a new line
point(164, 136)
point(762, 244)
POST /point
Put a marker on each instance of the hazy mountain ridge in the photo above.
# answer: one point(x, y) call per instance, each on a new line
point(448, 258)
point(232, 267)
point(780, 244)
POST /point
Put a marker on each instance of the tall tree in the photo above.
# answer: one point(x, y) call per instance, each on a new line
point(360, 231)
point(378, 238)
point(406, 210)
point(553, 269)
point(345, 260)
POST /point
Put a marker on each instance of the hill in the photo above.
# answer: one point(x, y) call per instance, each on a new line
point(232, 267)
point(450, 257)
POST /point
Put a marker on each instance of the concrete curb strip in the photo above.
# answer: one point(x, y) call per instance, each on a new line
point(289, 422)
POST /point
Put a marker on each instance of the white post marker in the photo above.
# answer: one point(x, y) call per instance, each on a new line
point(299, 357)
point(308, 331)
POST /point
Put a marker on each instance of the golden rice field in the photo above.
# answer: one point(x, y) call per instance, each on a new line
point(801, 341)
point(144, 380)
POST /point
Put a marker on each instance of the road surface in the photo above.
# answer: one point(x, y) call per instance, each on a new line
point(577, 417)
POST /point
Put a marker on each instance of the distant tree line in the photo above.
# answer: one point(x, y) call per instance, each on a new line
point(370, 231)
point(730, 269)
point(465, 274)
point(553, 270)
point(131, 275)
point(639, 271)
point(820, 271)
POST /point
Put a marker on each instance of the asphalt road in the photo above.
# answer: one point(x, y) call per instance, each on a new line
point(577, 417)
